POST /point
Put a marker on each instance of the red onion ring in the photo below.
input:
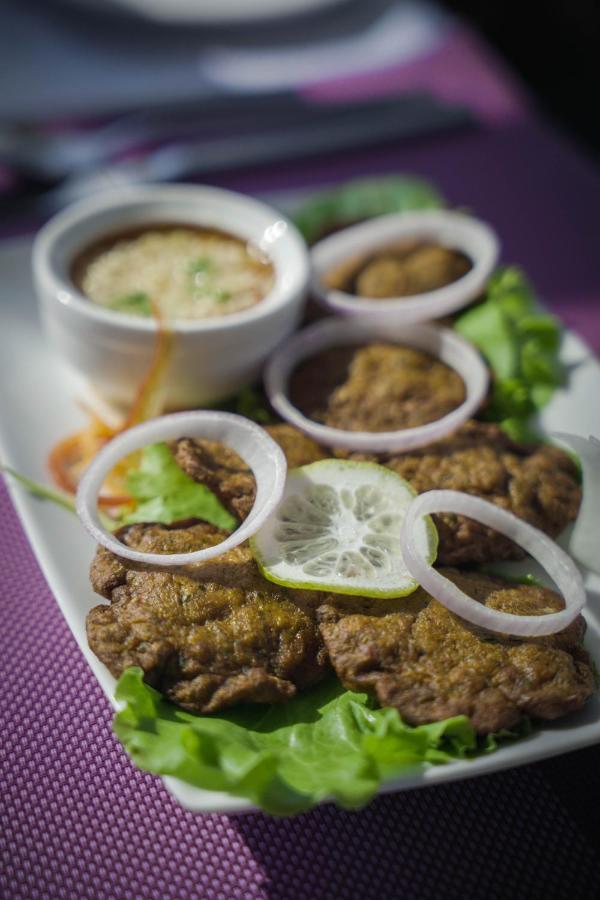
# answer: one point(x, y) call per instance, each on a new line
point(548, 554)
point(451, 349)
point(447, 227)
point(250, 441)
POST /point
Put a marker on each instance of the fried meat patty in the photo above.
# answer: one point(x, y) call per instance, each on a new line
point(226, 474)
point(538, 483)
point(414, 655)
point(376, 387)
point(207, 637)
point(425, 268)
point(299, 449)
point(399, 270)
point(221, 469)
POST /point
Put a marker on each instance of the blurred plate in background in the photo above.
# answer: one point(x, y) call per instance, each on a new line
point(181, 12)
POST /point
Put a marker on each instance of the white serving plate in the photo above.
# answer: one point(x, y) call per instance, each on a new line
point(37, 408)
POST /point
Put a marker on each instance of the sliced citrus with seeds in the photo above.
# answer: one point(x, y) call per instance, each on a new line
point(337, 529)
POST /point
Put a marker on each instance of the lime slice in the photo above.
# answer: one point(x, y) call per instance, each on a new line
point(337, 529)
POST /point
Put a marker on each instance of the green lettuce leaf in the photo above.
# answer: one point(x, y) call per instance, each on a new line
point(327, 743)
point(164, 493)
point(521, 345)
point(361, 199)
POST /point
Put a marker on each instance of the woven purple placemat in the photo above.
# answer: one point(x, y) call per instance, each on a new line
point(78, 819)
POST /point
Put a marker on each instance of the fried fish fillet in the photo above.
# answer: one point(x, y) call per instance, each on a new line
point(208, 637)
point(414, 655)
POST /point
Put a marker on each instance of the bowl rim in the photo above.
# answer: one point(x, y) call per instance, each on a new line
point(63, 291)
point(444, 343)
point(472, 236)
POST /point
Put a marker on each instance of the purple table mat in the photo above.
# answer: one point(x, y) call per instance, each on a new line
point(459, 70)
point(77, 820)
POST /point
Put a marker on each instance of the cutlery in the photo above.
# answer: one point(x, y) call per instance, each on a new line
point(336, 129)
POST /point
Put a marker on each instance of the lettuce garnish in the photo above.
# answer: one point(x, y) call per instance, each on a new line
point(164, 493)
point(327, 743)
point(521, 345)
point(362, 199)
point(250, 403)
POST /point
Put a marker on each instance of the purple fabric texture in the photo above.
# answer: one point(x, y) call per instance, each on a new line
point(77, 819)
point(456, 71)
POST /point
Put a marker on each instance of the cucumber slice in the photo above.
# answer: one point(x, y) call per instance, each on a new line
point(337, 529)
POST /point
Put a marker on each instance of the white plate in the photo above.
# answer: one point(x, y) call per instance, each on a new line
point(37, 408)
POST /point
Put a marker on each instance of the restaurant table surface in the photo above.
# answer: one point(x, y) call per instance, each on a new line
point(77, 819)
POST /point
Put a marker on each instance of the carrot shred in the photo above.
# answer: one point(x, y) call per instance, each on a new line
point(150, 399)
point(69, 458)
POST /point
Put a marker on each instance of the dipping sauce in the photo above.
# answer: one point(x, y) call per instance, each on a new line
point(399, 270)
point(375, 387)
point(183, 271)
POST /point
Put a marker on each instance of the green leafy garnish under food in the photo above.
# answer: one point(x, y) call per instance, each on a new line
point(138, 304)
point(164, 493)
point(250, 402)
point(521, 345)
point(363, 199)
point(327, 743)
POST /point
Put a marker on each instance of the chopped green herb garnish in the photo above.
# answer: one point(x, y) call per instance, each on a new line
point(201, 266)
point(500, 572)
point(137, 303)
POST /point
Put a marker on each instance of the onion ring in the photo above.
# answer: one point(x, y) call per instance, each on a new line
point(259, 451)
point(443, 226)
point(451, 349)
point(543, 549)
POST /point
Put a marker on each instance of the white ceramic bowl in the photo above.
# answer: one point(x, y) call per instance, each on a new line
point(213, 358)
point(441, 226)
